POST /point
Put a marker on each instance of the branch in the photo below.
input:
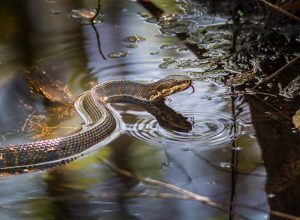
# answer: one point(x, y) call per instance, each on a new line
point(277, 72)
point(169, 186)
point(280, 10)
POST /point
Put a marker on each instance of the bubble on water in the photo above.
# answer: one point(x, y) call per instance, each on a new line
point(51, 1)
point(168, 46)
point(54, 12)
point(123, 53)
point(134, 39)
point(209, 130)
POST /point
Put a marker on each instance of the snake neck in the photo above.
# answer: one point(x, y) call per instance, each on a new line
point(124, 91)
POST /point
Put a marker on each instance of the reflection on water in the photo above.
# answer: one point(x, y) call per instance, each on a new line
point(205, 145)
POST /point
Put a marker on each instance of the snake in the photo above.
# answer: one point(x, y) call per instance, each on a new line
point(100, 121)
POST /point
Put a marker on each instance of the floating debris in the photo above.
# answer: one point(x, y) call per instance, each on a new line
point(241, 78)
point(182, 50)
point(145, 15)
point(292, 89)
point(225, 165)
point(180, 63)
point(86, 15)
point(54, 12)
point(83, 13)
point(123, 53)
point(151, 20)
point(168, 46)
point(208, 73)
point(169, 18)
point(214, 54)
point(134, 45)
point(134, 39)
point(154, 52)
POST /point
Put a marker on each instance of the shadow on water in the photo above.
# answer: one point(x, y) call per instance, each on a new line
point(280, 146)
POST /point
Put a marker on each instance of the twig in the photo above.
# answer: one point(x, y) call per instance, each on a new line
point(95, 29)
point(151, 181)
point(277, 72)
point(276, 8)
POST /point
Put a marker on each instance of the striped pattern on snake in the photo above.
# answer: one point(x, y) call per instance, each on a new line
point(100, 122)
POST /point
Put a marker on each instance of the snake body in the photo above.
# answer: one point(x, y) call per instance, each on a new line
point(100, 122)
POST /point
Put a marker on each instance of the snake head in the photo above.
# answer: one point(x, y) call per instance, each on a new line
point(170, 85)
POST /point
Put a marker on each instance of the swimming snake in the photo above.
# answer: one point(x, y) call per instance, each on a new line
point(100, 122)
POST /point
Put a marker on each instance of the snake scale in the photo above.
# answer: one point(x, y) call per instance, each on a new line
point(100, 122)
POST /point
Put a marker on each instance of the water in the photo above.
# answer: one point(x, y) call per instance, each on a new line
point(193, 149)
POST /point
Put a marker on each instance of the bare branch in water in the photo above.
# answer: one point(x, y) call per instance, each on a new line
point(183, 194)
point(172, 187)
point(280, 10)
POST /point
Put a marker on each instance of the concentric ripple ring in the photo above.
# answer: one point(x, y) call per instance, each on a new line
point(209, 130)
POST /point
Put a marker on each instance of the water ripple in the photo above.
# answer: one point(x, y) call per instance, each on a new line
point(209, 130)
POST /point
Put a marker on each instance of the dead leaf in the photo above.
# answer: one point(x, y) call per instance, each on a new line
point(296, 119)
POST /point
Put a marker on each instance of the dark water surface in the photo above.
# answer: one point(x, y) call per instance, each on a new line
point(218, 157)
